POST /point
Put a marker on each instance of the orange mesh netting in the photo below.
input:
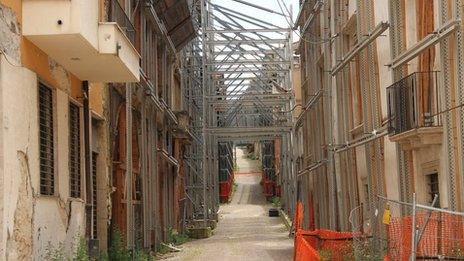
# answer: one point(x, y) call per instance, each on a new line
point(306, 242)
point(443, 236)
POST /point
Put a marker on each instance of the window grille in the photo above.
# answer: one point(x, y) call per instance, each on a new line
point(94, 194)
point(46, 141)
point(74, 151)
point(413, 102)
point(118, 14)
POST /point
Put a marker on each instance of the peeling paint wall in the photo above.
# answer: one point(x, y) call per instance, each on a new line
point(11, 30)
point(19, 159)
point(31, 224)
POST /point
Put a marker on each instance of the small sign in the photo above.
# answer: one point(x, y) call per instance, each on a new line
point(386, 216)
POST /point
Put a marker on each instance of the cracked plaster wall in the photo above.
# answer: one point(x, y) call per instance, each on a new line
point(19, 150)
point(29, 223)
point(10, 34)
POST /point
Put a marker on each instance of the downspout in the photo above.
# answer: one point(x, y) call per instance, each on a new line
point(87, 153)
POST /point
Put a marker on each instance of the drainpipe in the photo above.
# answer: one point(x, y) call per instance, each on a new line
point(87, 154)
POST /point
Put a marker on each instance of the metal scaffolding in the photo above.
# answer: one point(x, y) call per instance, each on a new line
point(238, 76)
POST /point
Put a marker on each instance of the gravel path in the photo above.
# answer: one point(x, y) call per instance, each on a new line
point(244, 232)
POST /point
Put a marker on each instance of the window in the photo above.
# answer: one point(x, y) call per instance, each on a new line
point(74, 151)
point(91, 206)
point(46, 141)
point(433, 189)
point(94, 194)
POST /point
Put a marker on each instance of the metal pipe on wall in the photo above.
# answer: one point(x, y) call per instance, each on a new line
point(87, 152)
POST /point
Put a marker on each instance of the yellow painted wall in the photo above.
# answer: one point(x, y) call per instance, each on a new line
point(96, 97)
point(37, 61)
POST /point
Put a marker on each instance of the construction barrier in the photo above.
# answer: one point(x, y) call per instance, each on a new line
point(225, 191)
point(303, 250)
point(384, 230)
point(278, 191)
point(443, 236)
point(310, 244)
point(269, 187)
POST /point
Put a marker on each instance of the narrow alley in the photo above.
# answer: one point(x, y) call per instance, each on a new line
point(179, 129)
point(245, 231)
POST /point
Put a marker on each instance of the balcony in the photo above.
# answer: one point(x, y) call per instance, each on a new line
point(70, 33)
point(118, 15)
point(413, 110)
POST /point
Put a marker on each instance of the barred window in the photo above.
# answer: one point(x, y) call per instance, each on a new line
point(74, 151)
point(46, 141)
point(94, 194)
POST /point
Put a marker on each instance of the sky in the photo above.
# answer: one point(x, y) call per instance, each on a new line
point(250, 11)
point(262, 15)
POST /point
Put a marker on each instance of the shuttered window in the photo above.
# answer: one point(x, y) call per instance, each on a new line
point(74, 151)
point(46, 141)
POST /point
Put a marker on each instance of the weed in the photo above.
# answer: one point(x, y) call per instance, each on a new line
point(162, 249)
point(55, 253)
point(366, 251)
point(142, 255)
point(276, 202)
point(235, 166)
point(81, 253)
point(118, 250)
point(176, 238)
point(456, 251)
point(325, 255)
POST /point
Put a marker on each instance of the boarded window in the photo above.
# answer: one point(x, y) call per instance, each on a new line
point(74, 151)
point(46, 143)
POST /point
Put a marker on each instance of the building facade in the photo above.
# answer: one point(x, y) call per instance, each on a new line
point(382, 95)
point(93, 110)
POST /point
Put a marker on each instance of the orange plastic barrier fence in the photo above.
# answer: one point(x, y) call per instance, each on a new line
point(338, 244)
point(306, 242)
point(443, 236)
point(304, 251)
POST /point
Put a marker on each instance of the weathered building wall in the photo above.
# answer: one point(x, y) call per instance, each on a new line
point(19, 161)
point(353, 104)
point(296, 77)
point(33, 224)
point(385, 79)
point(395, 165)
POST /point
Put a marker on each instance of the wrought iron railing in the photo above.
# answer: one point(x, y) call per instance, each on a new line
point(413, 102)
point(118, 15)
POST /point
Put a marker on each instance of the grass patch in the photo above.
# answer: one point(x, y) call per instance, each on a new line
point(176, 238)
point(275, 201)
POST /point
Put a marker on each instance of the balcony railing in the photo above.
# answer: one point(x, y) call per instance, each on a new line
point(413, 103)
point(118, 15)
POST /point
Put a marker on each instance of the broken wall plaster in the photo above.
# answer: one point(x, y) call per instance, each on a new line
point(10, 34)
point(60, 75)
point(19, 243)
